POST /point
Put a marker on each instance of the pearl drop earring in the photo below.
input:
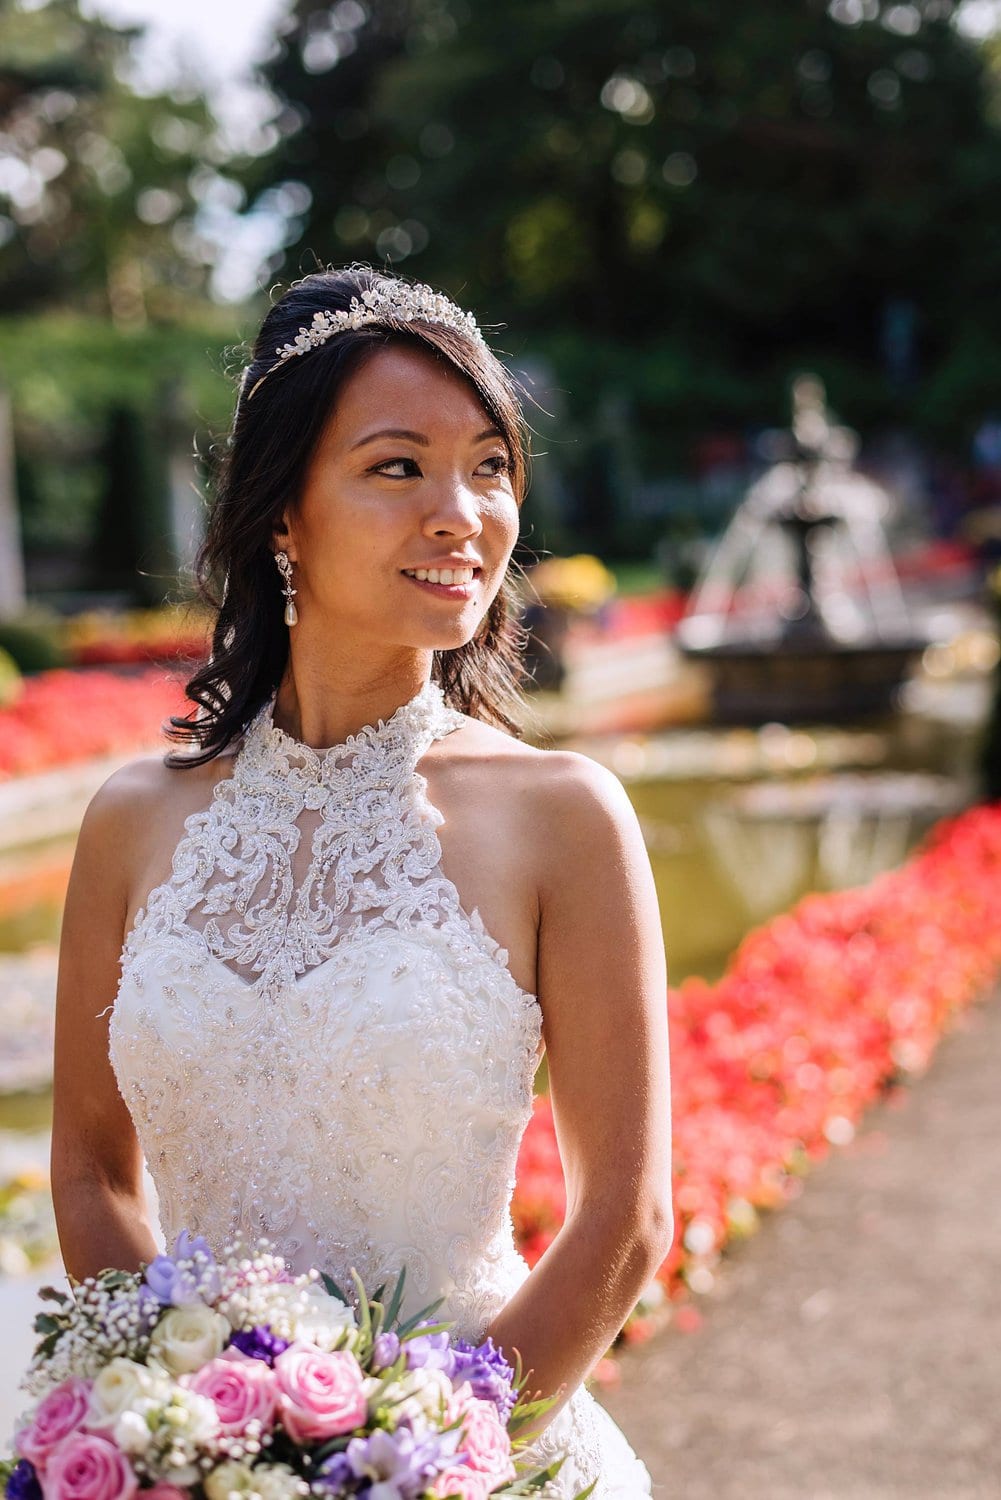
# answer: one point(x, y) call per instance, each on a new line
point(285, 569)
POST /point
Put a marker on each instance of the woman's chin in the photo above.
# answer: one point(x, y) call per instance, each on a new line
point(440, 637)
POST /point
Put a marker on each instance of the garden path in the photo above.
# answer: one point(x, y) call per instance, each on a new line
point(850, 1350)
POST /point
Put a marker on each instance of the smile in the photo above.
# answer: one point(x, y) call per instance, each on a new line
point(461, 582)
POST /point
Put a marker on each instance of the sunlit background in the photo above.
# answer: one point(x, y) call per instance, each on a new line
point(743, 260)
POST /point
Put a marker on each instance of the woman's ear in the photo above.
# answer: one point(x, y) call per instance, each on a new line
point(281, 537)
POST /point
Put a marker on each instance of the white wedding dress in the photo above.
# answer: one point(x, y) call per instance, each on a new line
point(318, 1044)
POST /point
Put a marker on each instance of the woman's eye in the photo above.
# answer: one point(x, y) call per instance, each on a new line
point(391, 463)
point(500, 459)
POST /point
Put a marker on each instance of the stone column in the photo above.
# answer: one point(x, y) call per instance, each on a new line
point(12, 594)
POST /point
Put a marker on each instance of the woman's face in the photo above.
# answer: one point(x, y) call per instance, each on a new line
point(409, 472)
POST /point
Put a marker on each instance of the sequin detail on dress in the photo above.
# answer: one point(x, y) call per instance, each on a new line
point(318, 1043)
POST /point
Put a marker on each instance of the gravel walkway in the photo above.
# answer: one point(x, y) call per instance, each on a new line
point(852, 1349)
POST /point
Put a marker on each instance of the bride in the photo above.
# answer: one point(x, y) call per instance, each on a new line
point(310, 961)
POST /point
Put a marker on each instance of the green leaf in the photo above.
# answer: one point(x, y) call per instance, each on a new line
point(365, 1315)
point(113, 1279)
point(527, 1484)
point(392, 1311)
point(52, 1294)
point(333, 1288)
point(335, 1445)
point(418, 1317)
point(526, 1407)
point(419, 1331)
point(47, 1347)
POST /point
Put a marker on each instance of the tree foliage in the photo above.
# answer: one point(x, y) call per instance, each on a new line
point(685, 202)
point(99, 184)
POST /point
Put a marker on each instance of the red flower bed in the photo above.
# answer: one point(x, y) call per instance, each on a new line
point(64, 716)
point(819, 1012)
point(169, 633)
point(188, 650)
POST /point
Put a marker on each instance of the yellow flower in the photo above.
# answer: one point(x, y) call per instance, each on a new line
point(579, 582)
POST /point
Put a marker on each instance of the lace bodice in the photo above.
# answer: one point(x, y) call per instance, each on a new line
point(319, 1044)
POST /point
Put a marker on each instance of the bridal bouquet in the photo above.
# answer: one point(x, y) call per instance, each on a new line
point(231, 1379)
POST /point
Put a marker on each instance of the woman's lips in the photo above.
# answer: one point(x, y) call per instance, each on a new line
point(447, 590)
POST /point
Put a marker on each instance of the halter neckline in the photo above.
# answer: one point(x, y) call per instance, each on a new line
point(422, 718)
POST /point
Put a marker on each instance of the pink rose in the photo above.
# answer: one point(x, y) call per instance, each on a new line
point(456, 1403)
point(320, 1394)
point(485, 1441)
point(468, 1484)
point(57, 1415)
point(242, 1389)
point(164, 1491)
point(86, 1466)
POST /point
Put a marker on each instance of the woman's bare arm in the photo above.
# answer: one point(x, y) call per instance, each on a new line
point(96, 1163)
point(603, 989)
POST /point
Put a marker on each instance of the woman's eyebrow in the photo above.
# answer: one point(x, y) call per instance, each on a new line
point(418, 437)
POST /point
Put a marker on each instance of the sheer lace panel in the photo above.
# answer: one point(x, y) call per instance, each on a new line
point(300, 850)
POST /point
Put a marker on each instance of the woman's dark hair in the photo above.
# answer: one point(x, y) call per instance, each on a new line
point(272, 441)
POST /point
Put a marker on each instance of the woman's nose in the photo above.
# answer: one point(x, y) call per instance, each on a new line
point(456, 504)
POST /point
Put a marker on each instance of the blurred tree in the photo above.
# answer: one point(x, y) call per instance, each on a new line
point(104, 292)
point(683, 202)
point(127, 502)
point(100, 185)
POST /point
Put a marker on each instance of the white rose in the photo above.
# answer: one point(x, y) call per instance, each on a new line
point(188, 1337)
point(179, 1472)
point(228, 1479)
point(323, 1320)
point(419, 1395)
point(120, 1387)
point(278, 1482)
point(132, 1432)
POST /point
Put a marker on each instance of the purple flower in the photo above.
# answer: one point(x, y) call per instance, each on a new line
point(487, 1372)
point(334, 1476)
point(400, 1464)
point(22, 1482)
point(171, 1284)
point(190, 1274)
point(260, 1343)
point(430, 1351)
point(385, 1349)
point(187, 1246)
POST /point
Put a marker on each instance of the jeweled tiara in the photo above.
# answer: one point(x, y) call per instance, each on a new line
point(401, 302)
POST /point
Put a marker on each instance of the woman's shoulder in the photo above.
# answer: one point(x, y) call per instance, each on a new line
point(564, 797)
point(569, 776)
point(143, 795)
point(140, 787)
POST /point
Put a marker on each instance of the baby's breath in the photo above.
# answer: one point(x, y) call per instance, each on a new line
point(101, 1318)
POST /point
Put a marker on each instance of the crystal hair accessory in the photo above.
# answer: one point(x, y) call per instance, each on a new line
point(401, 302)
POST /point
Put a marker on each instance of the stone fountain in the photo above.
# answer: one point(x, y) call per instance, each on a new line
point(800, 614)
